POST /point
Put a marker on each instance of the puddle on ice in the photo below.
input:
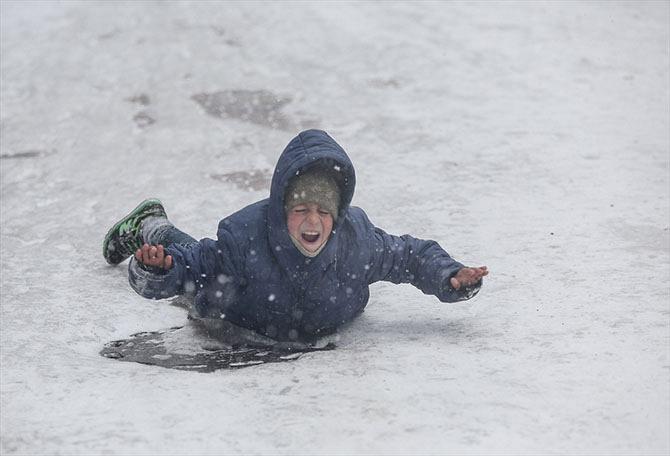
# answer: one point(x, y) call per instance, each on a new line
point(246, 180)
point(191, 347)
point(382, 83)
point(162, 357)
point(33, 153)
point(143, 120)
point(259, 107)
point(141, 99)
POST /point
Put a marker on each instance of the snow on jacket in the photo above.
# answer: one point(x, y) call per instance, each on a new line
point(254, 276)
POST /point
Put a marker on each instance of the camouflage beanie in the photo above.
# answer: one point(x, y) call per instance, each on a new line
point(317, 187)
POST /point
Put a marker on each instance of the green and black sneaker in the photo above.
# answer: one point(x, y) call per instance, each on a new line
point(125, 237)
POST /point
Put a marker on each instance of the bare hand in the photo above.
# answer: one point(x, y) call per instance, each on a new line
point(154, 255)
point(468, 276)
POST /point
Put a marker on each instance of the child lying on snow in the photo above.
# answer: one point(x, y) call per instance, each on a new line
point(293, 266)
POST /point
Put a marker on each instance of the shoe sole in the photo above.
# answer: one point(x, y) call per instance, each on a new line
point(108, 237)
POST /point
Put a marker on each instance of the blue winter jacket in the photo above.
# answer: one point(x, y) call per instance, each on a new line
point(255, 277)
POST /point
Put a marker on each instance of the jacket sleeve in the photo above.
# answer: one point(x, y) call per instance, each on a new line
point(423, 263)
point(193, 265)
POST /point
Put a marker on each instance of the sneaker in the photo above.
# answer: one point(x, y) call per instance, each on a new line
point(125, 237)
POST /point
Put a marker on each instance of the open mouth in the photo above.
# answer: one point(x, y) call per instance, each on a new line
point(310, 236)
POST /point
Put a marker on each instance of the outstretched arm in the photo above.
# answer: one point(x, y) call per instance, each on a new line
point(424, 264)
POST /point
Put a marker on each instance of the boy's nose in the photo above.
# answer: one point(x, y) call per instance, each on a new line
point(313, 217)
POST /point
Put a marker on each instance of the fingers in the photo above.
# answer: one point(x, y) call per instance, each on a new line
point(145, 254)
point(469, 276)
point(455, 283)
point(154, 255)
point(479, 272)
point(149, 254)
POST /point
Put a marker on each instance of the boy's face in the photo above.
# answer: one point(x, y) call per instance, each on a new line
point(310, 225)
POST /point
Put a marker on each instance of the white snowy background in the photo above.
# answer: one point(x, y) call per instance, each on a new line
point(530, 137)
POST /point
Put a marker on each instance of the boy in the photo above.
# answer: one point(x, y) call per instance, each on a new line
point(294, 266)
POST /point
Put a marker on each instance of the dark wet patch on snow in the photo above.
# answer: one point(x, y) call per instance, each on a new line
point(35, 153)
point(154, 348)
point(108, 35)
point(221, 32)
point(381, 83)
point(246, 180)
point(233, 42)
point(218, 30)
point(259, 107)
point(143, 120)
point(141, 99)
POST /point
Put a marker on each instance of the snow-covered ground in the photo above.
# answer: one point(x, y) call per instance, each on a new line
point(531, 137)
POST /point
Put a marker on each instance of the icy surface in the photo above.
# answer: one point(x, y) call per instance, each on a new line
point(530, 137)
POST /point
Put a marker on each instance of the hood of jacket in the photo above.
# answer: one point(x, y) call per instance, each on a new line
point(310, 149)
